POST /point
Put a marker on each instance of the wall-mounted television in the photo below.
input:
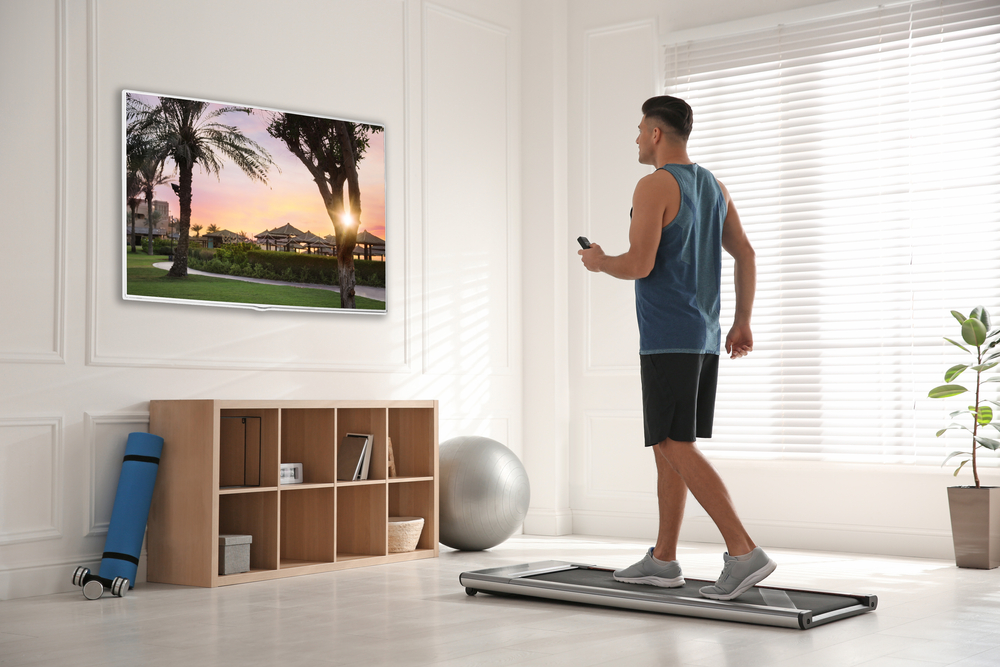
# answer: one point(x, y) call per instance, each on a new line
point(228, 204)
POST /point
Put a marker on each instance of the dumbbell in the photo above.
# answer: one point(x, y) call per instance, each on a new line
point(94, 585)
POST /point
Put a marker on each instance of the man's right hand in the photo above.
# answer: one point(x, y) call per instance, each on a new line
point(592, 257)
point(739, 342)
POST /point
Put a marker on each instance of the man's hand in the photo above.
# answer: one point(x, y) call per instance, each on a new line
point(592, 257)
point(739, 342)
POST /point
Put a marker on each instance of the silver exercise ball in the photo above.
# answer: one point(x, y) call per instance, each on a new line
point(484, 493)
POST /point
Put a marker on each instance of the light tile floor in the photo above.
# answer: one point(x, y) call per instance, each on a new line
point(930, 613)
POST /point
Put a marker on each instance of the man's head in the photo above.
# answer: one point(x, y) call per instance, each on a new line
point(672, 115)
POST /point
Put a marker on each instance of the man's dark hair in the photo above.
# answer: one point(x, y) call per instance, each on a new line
point(672, 112)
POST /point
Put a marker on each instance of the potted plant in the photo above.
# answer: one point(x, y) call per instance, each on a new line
point(975, 510)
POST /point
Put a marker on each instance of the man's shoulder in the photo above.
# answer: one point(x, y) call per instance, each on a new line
point(657, 180)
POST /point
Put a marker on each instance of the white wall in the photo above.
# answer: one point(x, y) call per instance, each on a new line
point(79, 364)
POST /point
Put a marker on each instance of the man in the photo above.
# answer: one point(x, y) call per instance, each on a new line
point(682, 218)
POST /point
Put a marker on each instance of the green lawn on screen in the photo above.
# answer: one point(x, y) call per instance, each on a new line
point(143, 279)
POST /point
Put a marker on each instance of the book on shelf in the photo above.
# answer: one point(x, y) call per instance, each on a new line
point(354, 457)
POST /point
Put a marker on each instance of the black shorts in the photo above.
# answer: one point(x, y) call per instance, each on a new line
point(678, 396)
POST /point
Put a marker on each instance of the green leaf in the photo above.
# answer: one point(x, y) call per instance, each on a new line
point(973, 332)
point(954, 372)
point(993, 402)
point(958, 316)
point(988, 443)
point(946, 390)
point(985, 415)
point(951, 427)
point(992, 356)
point(951, 456)
point(995, 378)
point(983, 367)
point(961, 412)
point(958, 345)
point(959, 468)
point(976, 313)
point(983, 316)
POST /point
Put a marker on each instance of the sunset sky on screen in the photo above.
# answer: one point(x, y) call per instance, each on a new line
point(235, 202)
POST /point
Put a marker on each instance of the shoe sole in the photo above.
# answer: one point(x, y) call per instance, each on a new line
point(676, 582)
point(746, 585)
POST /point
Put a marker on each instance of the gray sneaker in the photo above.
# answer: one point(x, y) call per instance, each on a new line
point(647, 571)
point(740, 576)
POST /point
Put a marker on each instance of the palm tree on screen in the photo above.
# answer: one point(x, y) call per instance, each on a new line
point(151, 175)
point(188, 132)
point(133, 188)
point(331, 150)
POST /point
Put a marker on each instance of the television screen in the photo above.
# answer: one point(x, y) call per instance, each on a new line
point(234, 205)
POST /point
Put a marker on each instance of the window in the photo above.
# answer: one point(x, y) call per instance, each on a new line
point(863, 153)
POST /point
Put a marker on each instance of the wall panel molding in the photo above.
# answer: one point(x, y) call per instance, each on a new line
point(616, 456)
point(92, 423)
point(57, 353)
point(638, 34)
point(504, 366)
point(96, 238)
point(17, 473)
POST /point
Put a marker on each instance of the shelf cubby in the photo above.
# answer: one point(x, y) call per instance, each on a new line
point(361, 532)
point(307, 526)
point(414, 442)
point(370, 421)
point(248, 448)
point(208, 485)
point(307, 437)
point(412, 499)
point(254, 514)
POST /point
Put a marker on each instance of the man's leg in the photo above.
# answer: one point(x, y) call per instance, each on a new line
point(671, 494)
point(745, 563)
point(659, 566)
point(697, 474)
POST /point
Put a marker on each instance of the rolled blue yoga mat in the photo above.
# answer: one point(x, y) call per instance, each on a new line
point(131, 508)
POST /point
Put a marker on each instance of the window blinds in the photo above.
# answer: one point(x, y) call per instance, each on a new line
point(863, 154)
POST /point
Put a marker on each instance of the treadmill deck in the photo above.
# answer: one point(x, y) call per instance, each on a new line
point(590, 584)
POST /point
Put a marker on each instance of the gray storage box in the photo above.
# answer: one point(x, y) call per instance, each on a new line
point(234, 553)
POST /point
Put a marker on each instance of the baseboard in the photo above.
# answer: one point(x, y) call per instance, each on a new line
point(54, 577)
point(884, 541)
point(548, 522)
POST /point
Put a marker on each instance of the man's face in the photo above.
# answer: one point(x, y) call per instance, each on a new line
point(645, 141)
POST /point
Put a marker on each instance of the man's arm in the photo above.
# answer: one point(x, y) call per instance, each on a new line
point(739, 342)
point(649, 205)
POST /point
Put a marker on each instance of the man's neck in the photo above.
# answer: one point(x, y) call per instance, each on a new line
point(671, 154)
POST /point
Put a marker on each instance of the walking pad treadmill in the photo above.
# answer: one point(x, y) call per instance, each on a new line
point(589, 584)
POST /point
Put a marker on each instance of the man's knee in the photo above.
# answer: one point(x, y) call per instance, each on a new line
point(670, 449)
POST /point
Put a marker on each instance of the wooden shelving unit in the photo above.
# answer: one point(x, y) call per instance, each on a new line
point(219, 474)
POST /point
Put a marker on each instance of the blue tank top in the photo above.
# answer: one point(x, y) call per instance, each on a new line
point(678, 302)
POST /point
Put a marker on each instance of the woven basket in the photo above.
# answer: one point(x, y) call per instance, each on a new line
point(404, 533)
